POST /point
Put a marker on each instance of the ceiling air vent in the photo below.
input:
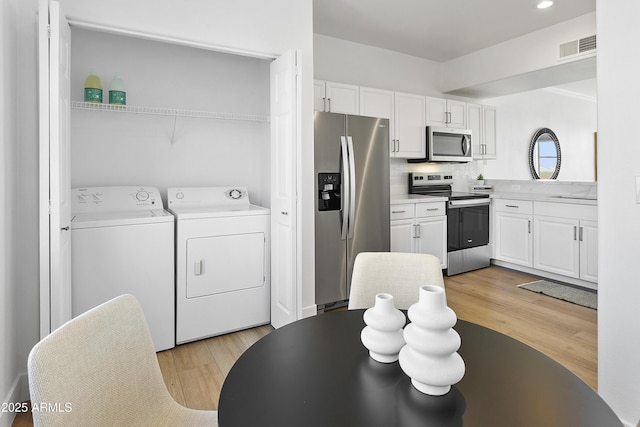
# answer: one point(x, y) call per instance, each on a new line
point(575, 47)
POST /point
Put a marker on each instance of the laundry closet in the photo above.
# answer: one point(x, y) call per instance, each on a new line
point(194, 118)
point(172, 149)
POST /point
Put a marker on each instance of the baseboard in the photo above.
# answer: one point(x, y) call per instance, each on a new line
point(309, 311)
point(546, 274)
point(19, 392)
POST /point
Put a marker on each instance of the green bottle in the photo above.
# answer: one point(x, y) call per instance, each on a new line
point(117, 94)
point(93, 89)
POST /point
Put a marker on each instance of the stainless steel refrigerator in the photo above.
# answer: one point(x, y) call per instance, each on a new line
point(352, 198)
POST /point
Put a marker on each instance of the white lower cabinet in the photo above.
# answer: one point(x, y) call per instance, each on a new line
point(559, 238)
point(556, 247)
point(513, 239)
point(588, 237)
point(420, 228)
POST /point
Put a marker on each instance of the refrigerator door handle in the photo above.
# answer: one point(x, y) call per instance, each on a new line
point(352, 190)
point(345, 188)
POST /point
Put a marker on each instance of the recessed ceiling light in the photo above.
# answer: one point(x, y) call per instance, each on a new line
point(545, 4)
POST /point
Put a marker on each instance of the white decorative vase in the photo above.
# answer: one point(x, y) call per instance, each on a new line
point(383, 334)
point(430, 356)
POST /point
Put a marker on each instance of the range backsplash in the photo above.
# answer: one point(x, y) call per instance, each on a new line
point(464, 175)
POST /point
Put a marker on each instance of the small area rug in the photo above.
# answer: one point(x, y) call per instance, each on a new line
point(564, 292)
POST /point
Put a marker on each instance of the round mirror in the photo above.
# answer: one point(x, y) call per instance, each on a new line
point(544, 155)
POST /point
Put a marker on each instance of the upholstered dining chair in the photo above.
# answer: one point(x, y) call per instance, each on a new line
point(101, 369)
point(397, 273)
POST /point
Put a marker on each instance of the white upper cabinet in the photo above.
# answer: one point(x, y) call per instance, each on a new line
point(481, 119)
point(406, 114)
point(410, 134)
point(336, 97)
point(489, 125)
point(379, 103)
point(376, 103)
point(446, 113)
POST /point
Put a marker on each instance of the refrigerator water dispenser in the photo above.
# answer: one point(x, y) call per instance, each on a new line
point(329, 191)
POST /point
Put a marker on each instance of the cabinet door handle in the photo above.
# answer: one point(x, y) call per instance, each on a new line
point(329, 99)
point(575, 232)
point(529, 226)
point(580, 235)
point(432, 209)
point(403, 211)
point(416, 231)
point(512, 206)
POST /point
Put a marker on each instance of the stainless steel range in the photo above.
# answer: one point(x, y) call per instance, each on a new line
point(467, 221)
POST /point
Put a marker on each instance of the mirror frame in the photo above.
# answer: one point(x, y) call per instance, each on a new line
point(532, 147)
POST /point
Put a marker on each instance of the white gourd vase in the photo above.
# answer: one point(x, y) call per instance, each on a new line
point(383, 334)
point(430, 355)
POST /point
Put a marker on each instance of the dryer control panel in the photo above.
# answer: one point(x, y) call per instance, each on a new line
point(208, 196)
point(115, 199)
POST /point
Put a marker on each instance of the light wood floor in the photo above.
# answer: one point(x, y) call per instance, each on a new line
point(194, 372)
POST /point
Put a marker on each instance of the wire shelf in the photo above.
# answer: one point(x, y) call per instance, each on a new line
point(167, 112)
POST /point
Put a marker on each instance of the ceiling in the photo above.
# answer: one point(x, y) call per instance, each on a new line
point(438, 30)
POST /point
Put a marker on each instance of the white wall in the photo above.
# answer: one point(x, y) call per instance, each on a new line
point(19, 289)
point(573, 120)
point(525, 54)
point(353, 63)
point(127, 149)
point(9, 336)
point(618, 211)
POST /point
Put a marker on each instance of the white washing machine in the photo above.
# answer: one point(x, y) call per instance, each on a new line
point(122, 241)
point(222, 261)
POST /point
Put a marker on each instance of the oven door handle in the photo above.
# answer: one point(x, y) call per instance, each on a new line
point(457, 204)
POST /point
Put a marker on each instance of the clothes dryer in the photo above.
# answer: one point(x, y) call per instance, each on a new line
point(222, 261)
point(122, 241)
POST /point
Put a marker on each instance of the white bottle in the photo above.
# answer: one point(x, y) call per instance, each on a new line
point(117, 94)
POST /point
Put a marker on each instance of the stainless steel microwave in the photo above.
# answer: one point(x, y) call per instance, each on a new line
point(447, 145)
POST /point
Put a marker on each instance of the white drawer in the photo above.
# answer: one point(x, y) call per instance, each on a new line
point(430, 209)
point(403, 211)
point(567, 210)
point(513, 206)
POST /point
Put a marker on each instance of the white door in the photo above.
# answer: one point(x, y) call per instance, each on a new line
point(555, 245)
point(457, 114)
point(409, 126)
point(589, 250)
point(513, 240)
point(432, 238)
point(402, 235)
point(285, 136)
point(342, 98)
point(54, 40)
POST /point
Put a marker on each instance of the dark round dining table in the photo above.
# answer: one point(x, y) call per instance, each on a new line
point(316, 372)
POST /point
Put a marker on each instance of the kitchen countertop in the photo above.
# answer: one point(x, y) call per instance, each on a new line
point(415, 198)
point(554, 198)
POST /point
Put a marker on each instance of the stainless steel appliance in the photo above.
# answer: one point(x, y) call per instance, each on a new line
point(447, 145)
point(467, 221)
point(352, 198)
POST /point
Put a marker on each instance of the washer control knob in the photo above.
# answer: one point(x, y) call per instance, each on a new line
point(235, 194)
point(180, 195)
point(142, 195)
